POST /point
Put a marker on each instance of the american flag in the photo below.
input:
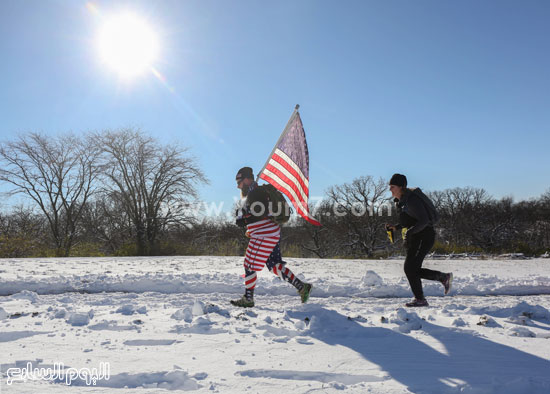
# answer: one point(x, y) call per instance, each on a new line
point(288, 166)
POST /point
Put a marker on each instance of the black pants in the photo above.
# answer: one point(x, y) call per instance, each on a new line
point(419, 246)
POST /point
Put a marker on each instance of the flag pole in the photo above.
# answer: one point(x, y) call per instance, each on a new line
point(279, 140)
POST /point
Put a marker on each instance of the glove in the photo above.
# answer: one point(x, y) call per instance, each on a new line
point(389, 231)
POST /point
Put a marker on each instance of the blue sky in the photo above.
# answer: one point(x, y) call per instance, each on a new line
point(450, 93)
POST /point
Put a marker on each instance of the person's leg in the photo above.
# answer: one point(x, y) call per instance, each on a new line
point(254, 260)
point(412, 267)
point(277, 266)
point(247, 300)
point(250, 278)
point(426, 245)
point(446, 279)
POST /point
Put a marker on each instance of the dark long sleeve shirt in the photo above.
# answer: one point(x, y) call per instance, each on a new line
point(412, 205)
point(255, 207)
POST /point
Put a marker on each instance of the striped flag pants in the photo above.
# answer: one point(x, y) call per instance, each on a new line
point(277, 266)
point(263, 249)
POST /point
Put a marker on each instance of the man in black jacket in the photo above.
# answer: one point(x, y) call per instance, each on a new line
point(418, 216)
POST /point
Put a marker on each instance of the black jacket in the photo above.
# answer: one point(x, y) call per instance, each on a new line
point(255, 207)
point(416, 211)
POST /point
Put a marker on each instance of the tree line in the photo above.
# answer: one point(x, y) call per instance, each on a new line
point(105, 190)
point(122, 192)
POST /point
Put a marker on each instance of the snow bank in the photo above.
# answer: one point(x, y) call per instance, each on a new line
point(524, 309)
point(371, 285)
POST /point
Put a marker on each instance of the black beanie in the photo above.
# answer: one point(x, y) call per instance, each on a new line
point(398, 180)
point(245, 172)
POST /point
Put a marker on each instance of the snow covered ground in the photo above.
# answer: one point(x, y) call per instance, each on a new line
point(164, 324)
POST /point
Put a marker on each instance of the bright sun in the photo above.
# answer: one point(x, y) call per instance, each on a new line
point(127, 44)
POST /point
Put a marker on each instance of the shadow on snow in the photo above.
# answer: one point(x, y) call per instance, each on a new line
point(469, 362)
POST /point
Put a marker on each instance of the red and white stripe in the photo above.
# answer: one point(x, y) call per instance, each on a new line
point(264, 235)
point(281, 271)
point(264, 228)
point(287, 177)
point(250, 281)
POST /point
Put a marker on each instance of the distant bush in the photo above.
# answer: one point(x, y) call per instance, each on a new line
point(128, 249)
point(443, 248)
point(13, 247)
point(87, 249)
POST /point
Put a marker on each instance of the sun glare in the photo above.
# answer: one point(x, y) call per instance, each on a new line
point(127, 44)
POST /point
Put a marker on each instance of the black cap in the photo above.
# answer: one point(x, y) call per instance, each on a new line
point(245, 172)
point(398, 180)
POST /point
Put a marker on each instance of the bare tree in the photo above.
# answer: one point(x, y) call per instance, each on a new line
point(57, 173)
point(325, 240)
point(21, 232)
point(464, 214)
point(361, 205)
point(105, 221)
point(155, 183)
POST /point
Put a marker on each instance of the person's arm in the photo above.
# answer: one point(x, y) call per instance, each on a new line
point(397, 226)
point(251, 210)
point(256, 206)
point(241, 215)
point(417, 210)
